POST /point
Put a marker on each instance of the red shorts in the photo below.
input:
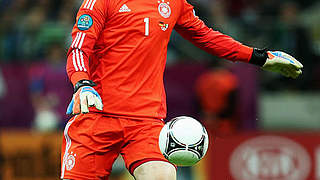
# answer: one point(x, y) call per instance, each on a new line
point(92, 142)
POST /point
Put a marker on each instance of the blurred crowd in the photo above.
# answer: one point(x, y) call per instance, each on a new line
point(290, 26)
point(35, 35)
point(30, 28)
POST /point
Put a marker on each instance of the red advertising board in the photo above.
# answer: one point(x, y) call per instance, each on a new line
point(265, 156)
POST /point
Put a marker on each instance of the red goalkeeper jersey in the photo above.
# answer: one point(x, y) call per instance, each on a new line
point(122, 46)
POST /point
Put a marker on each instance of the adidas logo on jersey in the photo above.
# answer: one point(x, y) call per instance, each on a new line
point(124, 8)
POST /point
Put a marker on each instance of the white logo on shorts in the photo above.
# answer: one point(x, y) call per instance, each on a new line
point(70, 161)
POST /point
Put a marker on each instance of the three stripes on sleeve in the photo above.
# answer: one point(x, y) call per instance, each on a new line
point(77, 53)
point(89, 4)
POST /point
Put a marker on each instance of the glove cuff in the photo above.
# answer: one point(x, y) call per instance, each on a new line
point(83, 82)
point(259, 57)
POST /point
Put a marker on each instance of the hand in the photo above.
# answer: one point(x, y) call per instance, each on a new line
point(84, 97)
point(283, 63)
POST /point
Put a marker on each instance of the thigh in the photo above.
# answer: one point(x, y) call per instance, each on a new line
point(141, 142)
point(155, 170)
point(91, 143)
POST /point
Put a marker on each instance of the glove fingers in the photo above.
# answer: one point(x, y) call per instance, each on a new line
point(298, 73)
point(94, 100)
point(294, 72)
point(91, 100)
point(70, 107)
point(84, 98)
point(84, 103)
point(98, 103)
point(284, 71)
point(298, 64)
point(283, 63)
point(76, 106)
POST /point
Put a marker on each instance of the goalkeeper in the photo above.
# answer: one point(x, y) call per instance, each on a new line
point(116, 63)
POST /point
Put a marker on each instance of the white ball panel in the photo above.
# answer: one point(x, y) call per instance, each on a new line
point(163, 137)
point(206, 143)
point(187, 130)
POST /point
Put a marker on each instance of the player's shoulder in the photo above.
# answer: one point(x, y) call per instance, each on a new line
point(113, 3)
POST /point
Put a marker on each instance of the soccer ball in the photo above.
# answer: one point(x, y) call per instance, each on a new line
point(183, 141)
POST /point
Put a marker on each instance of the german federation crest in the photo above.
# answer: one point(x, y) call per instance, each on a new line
point(164, 9)
point(70, 161)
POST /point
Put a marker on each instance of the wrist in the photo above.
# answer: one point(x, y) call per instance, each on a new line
point(77, 76)
point(259, 57)
point(244, 54)
point(83, 82)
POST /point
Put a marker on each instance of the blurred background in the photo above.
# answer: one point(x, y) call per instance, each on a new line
point(262, 126)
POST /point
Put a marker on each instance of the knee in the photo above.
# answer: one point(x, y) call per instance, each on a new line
point(155, 170)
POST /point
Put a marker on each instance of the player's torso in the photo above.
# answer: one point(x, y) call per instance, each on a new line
point(130, 55)
point(130, 22)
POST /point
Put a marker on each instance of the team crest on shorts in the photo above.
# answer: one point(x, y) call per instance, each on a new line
point(70, 161)
point(164, 9)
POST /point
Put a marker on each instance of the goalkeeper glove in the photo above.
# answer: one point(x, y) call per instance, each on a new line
point(84, 96)
point(277, 61)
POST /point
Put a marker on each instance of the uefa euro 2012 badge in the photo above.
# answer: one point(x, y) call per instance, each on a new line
point(164, 9)
point(84, 22)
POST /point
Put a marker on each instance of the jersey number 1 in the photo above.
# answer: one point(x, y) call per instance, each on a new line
point(146, 26)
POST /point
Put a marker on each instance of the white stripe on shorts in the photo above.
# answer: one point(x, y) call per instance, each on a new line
point(68, 145)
